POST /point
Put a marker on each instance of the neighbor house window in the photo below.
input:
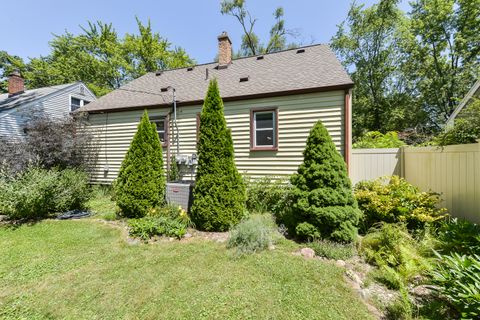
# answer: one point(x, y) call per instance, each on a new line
point(264, 129)
point(76, 103)
point(162, 128)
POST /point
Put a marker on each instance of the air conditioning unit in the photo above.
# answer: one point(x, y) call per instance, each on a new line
point(180, 194)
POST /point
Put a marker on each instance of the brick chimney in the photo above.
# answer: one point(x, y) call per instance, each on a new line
point(15, 83)
point(224, 49)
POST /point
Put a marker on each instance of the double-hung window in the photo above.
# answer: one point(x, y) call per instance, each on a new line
point(162, 128)
point(264, 129)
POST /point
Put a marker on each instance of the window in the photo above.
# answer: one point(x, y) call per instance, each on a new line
point(264, 129)
point(162, 129)
point(76, 103)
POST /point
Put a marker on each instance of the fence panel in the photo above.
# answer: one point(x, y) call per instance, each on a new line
point(452, 171)
point(369, 164)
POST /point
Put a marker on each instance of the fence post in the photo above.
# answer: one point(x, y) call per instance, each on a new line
point(402, 161)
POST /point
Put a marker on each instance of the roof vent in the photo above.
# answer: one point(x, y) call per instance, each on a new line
point(244, 79)
point(260, 58)
point(189, 68)
point(164, 89)
point(158, 73)
point(300, 50)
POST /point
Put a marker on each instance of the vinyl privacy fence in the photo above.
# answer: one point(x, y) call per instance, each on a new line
point(452, 171)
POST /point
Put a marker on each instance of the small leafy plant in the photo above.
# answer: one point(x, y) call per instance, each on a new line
point(254, 234)
point(458, 279)
point(147, 227)
point(333, 250)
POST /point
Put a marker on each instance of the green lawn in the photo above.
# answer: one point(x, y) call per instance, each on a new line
point(86, 270)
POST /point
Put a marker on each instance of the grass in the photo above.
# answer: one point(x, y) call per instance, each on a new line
point(101, 203)
point(85, 270)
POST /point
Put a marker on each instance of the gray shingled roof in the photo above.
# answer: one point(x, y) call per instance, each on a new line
point(275, 74)
point(28, 96)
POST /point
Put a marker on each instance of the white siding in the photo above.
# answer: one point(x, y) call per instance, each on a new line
point(296, 116)
point(55, 105)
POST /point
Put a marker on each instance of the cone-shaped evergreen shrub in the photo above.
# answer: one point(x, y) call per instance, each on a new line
point(140, 185)
point(324, 205)
point(219, 192)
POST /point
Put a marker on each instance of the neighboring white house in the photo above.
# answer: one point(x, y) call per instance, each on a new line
point(18, 104)
point(474, 92)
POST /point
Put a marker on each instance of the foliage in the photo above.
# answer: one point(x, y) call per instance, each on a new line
point(369, 43)
point(178, 280)
point(466, 128)
point(255, 234)
point(458, 278)
point(410, 70)
point(101, 203)
point(171, 211)
point(50, 143)
point(219, 191)
point(267, 195)
point(393, 200)
point(173, 174)
point(140, 185)
point(375, 139)
point(251, 44)
point(35, 193)
point(332, 250)
point(322, 194)
point(98, 57)
point(460, 236)
point(147, 227)
point(401, 308)
point(399, 256)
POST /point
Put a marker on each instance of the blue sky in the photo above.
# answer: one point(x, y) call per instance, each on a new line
point(28, 25)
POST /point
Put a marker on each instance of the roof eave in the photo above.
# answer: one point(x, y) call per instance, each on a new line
point(345, 86)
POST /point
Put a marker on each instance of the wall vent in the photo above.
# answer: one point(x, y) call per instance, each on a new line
point(260, 58)
point(158, 73)
point(244, 79)
point(300, 50)
point(164, 89)
point(189, 68)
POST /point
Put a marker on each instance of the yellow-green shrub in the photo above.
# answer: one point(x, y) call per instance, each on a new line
point(393, 200)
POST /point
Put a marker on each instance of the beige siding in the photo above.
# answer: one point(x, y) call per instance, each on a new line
point(296, 116)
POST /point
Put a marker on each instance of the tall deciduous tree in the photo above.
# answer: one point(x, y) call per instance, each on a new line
point(444, 53)
point(251, 44)
point(369, 43)
point(140, 185)
point(219, 192)
point(99, 57)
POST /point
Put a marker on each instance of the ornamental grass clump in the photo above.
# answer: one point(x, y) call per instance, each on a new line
point(219, 192)
point(257, 233)
point(323, 202)
point(140, 185)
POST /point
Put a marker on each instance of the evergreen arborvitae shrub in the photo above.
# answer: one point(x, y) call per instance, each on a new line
point(323, 201)
point(140, 185)
point(219, 192)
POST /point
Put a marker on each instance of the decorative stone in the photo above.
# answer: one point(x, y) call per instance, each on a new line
point(340, 263)
point(271, 247)
point(187, 235)
point(307, 253)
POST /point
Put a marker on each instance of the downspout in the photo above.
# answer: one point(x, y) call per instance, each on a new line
point(175, 122)
point(168, 141)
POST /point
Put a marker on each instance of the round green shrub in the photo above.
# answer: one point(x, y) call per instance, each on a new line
point(140, 185)
point(219, 191)
point(322, 194)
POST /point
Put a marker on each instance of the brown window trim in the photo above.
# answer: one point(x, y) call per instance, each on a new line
point(252, 134)
point(166, 121)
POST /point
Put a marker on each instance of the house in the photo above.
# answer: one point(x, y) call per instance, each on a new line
point(473, 93)
point(18, 105)
point(271, 102)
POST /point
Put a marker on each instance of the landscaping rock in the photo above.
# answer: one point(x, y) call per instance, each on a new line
point(340, 263)
point(422, 291)
point(271, 247)
point(3, 217)
point(187, 235)
point(307, 253)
